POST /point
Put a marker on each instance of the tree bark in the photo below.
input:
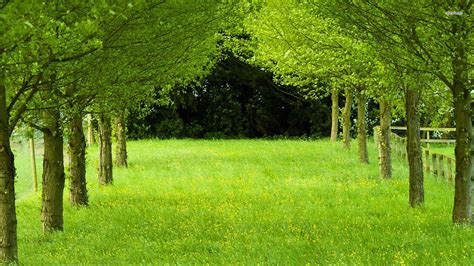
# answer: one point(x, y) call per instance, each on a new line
point(415, 155)
point(462, 113)
point(346, 121)
point(385, 160)
point(121, 139)
point(53, 172)
point(334, 115)
point(472, 149)
point(77, 166)
point(105, 150)
point(8, 240)
point(462, 187)
point(362, 129)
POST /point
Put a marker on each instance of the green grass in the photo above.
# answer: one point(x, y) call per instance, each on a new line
point(446, 149)
point(24, 180)
point(249, 201)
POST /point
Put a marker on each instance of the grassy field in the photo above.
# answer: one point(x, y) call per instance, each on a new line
point(446, 149)
point(24, 181)
point(247, 201)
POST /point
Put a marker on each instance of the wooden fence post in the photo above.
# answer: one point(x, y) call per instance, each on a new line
point(441, 171)
point(427, 161)
point(400, 150)
point(428, 138)
point(33, 164)
point(405, 153)
point(450, 169)
point(434, 161)
point(397, 146)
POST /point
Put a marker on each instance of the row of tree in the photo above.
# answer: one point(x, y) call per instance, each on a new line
point(61, 60)
point(414, 56)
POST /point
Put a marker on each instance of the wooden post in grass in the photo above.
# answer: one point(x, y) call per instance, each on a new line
point(428, 138)
point(400, 149)
point(434, 161)
point(405, 153)
point(450, 169)
point(427, 161)
point(33, 164)
point(441, 166)
point(403, 148)
point(393, 140)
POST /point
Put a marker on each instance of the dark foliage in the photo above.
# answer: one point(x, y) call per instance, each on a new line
point(236, 100)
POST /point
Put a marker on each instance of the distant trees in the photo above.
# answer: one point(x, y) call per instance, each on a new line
point(309, 51)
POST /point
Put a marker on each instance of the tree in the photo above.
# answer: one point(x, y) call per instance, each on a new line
point(437, 35)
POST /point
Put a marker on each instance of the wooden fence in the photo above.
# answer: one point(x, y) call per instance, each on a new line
point(426, 138)
point(437, 164)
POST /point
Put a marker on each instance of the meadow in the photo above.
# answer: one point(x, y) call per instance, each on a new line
point(246, 201)
point(446, 149)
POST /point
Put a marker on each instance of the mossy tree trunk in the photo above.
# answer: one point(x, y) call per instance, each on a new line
point(77, 166)
point(334, 115)
point(346, 121)
point(362, 129)
point(463, 117)
point(8, 240)
point(462, 188)
point(472, 149)
point(385, 159)
point(414, 152)
point(105, 150)
point(121, 141)
point(53, 172)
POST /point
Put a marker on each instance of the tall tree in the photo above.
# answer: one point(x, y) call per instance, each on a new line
point(8, 241)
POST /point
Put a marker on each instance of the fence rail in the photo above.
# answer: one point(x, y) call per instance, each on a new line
point(438, 164)
point(428, 138)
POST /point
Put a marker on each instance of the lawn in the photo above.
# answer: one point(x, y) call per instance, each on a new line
point(446, 149)
point(247, 201)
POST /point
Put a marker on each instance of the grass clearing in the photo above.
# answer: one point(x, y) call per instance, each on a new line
point(446, 149)
point(248, 201)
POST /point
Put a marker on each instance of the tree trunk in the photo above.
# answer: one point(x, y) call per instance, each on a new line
point(53, 172)
point(121, 139)
point(346, 121)
point(462, 187)
point(415, 155)
point(8, 243)
point(105, 150)
point(362, 129)
point(472, 148)
point(77, 167)
point(334, 115)
point(385, 160)
point(462, 113)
